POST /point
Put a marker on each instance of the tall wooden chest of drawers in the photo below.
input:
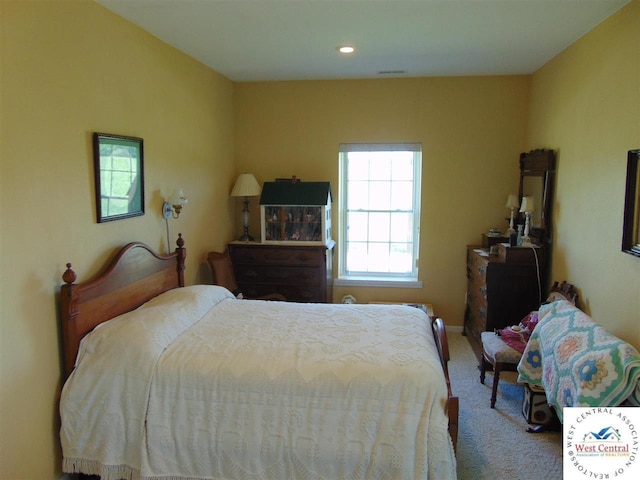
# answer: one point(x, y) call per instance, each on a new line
point(302, 273)
point(499, 293)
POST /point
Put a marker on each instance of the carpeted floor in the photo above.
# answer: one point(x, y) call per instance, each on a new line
point(493, 444)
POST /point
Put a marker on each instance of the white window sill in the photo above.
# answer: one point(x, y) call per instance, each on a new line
point(377, 282)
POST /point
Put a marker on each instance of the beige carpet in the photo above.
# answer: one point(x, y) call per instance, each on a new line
point(493, 444)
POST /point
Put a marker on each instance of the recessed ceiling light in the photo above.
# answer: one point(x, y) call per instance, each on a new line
point(346, 49)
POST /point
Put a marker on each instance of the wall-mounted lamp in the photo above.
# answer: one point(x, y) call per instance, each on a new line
point(174, 204)
point(172, 208)
point(246, 186)
point(527, 207)
point(512, 203)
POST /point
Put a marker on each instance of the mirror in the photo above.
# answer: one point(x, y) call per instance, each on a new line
point(532, 187)
point(119, 178)
point(631, 228)
point(537, 172)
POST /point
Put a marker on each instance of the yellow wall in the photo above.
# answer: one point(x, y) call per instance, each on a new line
point(586, 104)
point(70, 68)
point(472, 130)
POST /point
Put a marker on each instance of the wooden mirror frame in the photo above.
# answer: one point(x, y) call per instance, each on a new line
point(539, 163)
point(631, 227)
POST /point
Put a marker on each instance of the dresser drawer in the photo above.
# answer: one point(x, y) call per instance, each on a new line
point(477, 267)
point(479, 320)
point(278, 275)
point(478, 315)
point(277, 256)
point(293, 293)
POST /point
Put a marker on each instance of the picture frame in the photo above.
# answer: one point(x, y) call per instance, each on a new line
point(119, 176)
point(631, 225)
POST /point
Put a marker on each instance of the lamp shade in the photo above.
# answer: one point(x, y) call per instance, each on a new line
point(512, 201)
point(246, 186)
point(178, 198)
point(527, 205)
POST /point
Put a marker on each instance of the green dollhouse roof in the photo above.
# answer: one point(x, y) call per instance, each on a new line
point(299, 193)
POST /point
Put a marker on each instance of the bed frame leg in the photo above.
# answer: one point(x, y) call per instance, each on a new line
point(453, 412)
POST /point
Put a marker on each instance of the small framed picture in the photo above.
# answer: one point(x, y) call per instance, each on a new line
point(119, 176)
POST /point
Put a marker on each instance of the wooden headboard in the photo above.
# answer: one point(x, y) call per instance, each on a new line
point(134, 276)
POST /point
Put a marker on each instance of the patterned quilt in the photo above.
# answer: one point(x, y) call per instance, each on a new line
point(578, 362)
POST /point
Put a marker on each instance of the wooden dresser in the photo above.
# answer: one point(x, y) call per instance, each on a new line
point(302, 273)
point(501, 290)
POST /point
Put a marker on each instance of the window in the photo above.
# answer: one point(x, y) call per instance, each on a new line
point(379, 213)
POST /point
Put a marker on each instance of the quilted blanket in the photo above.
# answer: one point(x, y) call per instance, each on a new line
point(199, 385)
point(578, 362)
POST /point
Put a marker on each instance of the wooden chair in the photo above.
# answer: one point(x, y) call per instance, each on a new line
point(499, 356)
point(222, 270)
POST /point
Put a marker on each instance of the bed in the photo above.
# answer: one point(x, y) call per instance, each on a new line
point(173, 382)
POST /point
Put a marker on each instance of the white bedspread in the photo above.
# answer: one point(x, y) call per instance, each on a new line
point(199, 385)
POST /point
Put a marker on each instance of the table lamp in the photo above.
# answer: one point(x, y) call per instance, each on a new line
point(246, 186)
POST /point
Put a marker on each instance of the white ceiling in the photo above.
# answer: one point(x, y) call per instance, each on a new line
point(259, 40)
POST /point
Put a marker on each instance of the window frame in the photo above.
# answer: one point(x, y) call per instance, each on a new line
point(390, 279)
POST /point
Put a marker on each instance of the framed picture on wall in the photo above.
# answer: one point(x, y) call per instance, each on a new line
point(119, 176)
point(631, 228)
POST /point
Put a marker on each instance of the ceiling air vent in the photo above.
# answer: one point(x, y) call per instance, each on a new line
point(392, 72)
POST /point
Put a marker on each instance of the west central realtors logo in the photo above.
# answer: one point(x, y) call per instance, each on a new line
point(604, 442)
point(601, 442)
